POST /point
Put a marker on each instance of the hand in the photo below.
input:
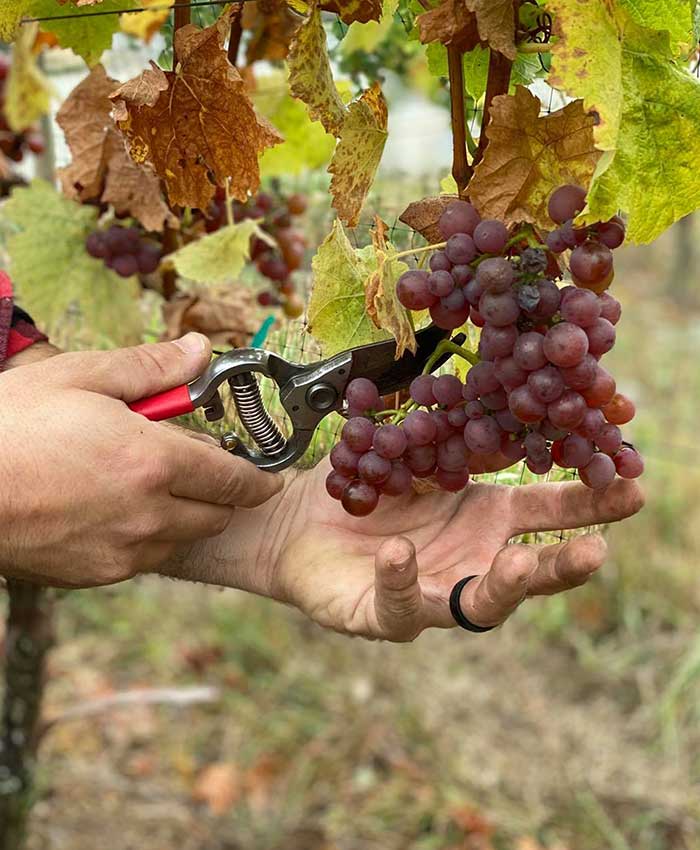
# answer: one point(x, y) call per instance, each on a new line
point(389, 575)
point(93, 493)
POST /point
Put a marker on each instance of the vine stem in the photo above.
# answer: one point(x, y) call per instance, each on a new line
point(183, 16)
point(533, 47)
point(461, 170)
point(234, 41)
point(421, 250)
point(229, 203)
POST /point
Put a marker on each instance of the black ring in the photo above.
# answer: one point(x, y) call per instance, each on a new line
point(456, 609)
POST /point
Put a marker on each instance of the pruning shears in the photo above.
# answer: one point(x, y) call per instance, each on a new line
point(308, 393)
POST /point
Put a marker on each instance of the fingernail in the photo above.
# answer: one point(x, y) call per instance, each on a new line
point(192, 343)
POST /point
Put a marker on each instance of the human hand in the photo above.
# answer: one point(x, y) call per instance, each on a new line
point(389, 575)
point(93, 493)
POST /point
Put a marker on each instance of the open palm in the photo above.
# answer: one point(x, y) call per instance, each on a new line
point(389, 575)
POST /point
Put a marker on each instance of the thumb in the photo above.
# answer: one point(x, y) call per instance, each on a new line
point(398, 600)
point(133, 373)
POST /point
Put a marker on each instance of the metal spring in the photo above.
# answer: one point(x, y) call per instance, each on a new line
point(254, 417)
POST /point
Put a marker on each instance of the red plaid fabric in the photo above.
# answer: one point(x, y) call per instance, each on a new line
point(16, 332)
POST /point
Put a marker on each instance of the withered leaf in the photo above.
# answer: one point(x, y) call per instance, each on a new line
point(356, 10)
point(101, 168)
point(226, 315)
point(271, 30)
point(528, 156)
point(449, 23)
point(195, 121)
point(423, 216)
point(381, 301)
point(496, 24)
point(358, 153)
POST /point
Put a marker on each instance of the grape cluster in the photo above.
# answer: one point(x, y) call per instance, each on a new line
point(124, 250)
point(538, 392)
point(14, 145)
point(276, 214)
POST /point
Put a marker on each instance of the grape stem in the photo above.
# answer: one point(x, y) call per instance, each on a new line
point(527, 233)
point(449, 347)
point(422, 250)
point(229, 204)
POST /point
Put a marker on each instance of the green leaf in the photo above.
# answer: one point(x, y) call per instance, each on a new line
point(336, 316)
point(526, 69)
point(672, 16)
point(53, 272)
point(653, 174)
point(366, 37)
point(218, 258)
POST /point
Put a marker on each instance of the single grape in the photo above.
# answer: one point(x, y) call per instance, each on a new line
point(512, 448)
point(609, 439)
point(550, 432)
point(528, 297)
point(96, 245)
point(389, 441)
point(460, 249)
point(462, 274)
point(358, 433)
point(454, 301)
point(508, 422)
point(499, 308)
point(453, 482)
point(581, 308)
point(598, 288)
point(601, 337)
point(619, 410)
point(611, 234)
point(566, 202)
point(344, 460)
point(125, 265)
point(483, 377)
point(483, 435)
point(490, 236)
point(582, 375)
point(535, 446)
point(533, 261)
point(439, 262)
point(610, 308)
point(296, 203)
point(419, 428)
point(509, 373)
point(421, 390)
point(546, 384)
point(474, 410)
point(447, 390)
point(628, 463)
point(362, 394)
point(273, 267)
point(399, 481)
point(473, 292)
point(573, 236)
point(565, 344)
point(500, 341)
point(599, 472)
point(413, 291)
point(443, 429)
point(601, 391)
point(293, 306)
point(359, 498)
point(495, 274)
point(452, 455)
point(591, 262)
point(449, 318)
point(266, 299)
point(476, 318)
point(555, 242)
point(373, 468)
point(549, 299)
point(457, 417)
point(497, 400)
point(469, 392)
point(525, 406)
point(421, 460)
point(528, 351)
point(576, 451)
point(567, 411)
point(441, 283)
point(540, 466)
point(336, 484)
point(591, 425)
point(458, 217)
point(148, 257)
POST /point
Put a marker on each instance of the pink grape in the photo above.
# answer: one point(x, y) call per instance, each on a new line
point(483, 377)
point(439, 262)
point(453, 482)
point(599, 472)
point(460, 249)
point(462, 274)
point(457, 417)
point(509, 373)
point(581, 308)
point(541, 466)
point(440, 283)
point(567, 411)
point(344, 460)
point(500, 341)
point(421, 390)
point(497, 400)
point(582, 375)
point(490, 236)
point(482, 436)
point(591, 424)
point(452, 455)
point(419, 428)
point(611, 234)
point(373, 468)
point(528, 351)
point(508, 422)
point(447, 390)
point(628, 463)
point(524, 406)
point(610, 308)
point(359, 498)
point(575, 451)
point(399, 481)
point(474, 409)
point(619, 410)
point(358, 433)
point(389, 441)
point(421, 460)
point(458, 217)
point(546, 384)
point(609, 439)
point(449, 319)
point(591, 263)
point(565, 344)
point(499, 308)
point(512, 449)
point(336, 484)
point(601, 390)
point(362, 394)
point(495, 274)
point(601, 337)
point(443, 429)
point(413, 291)
point(566, 202)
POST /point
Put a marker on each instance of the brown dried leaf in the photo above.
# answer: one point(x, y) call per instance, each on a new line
point(496, 24)
point(358, 153)
point(449, 23)
point(102, 168)
point(227, 316)
point(528, 156)
point(423, 216)
point(195, 121)
point(381, 301)
point(219, 786)
point(272, 30)
point(356, 10)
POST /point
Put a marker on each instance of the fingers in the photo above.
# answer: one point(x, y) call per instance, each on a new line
point(567, 565)
point(549, 507)
point(190, 521)
point(134, 373)
point(397, 595)
point(490, 599)
point(217, 477)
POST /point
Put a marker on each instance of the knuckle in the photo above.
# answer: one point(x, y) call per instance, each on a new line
point(522, 562)
point(122, 566)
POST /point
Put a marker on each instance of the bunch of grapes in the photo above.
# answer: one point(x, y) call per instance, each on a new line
point(276, 214)
point(125, 250)
point(538, 393)
point(14, 145)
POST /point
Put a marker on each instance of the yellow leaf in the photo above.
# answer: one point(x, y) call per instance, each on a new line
point(528, 156)
point(28, 94)
point(358, 153)
point(146, 24)
point(310, 75)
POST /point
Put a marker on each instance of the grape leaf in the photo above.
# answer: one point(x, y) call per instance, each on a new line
point(356, 10)
point(381, 301)
point(272, 26)
point(336, 314)
point(496, 24)
point(218, 257)
point(366, 37)
point(653, 174)
point(475, 64)
point(423, 216)
point(672, 16)
point(195, 121)
point(28, 93)
point(465, 23)
point(146, 24)
point(53, 272)
point(529, 156)
point(358, 153)
point(102, 168)
point(310, 75)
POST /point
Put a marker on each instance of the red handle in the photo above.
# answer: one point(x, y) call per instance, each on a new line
point(165, 405)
